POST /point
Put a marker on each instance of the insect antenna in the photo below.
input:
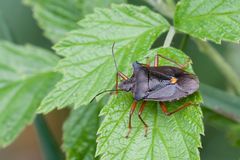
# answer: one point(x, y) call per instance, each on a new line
point(114, 59)
point(116, 67)
point(110, 90)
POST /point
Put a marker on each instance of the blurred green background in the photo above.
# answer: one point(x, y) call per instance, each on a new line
point(17, 25)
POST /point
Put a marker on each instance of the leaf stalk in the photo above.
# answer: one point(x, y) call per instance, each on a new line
point(169, 37)
point(49, 146)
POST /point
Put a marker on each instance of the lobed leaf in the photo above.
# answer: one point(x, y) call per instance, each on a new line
point(169, 137)
point(26, 76)
point(79, 138)
point(88, 66)
point(209, 19)
point(57, 18)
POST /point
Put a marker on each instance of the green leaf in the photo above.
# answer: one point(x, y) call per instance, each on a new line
point(225, 104)
point(213, 20)
point(231, 128)
point(79, 138)
point(169, 137)
point(221, 102)
point(58, 17)
point(88, 66)
point(25, 78)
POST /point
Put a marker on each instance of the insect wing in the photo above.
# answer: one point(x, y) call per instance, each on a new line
point(166, 93)
point(185, 86)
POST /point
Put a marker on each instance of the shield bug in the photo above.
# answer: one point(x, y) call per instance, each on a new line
point(157, 83)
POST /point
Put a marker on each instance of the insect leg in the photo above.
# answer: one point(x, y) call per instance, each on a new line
point(148, 62)
point(123, 76)
point(139, 115)
point(182, 66)
point(156, 60)
point(185, 65)
point(165, 111)
point(133, 106)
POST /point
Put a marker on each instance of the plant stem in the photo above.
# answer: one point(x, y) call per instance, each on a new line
point(49, 146)
point(169, 37)
point(223, 66)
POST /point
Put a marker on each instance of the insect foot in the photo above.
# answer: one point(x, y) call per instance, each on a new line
point(129, 131)
point(145, 130)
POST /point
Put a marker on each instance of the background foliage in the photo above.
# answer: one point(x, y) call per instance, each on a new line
point(26, 78)
point(217, 102)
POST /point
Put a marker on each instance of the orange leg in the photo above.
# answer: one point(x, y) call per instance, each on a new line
point(139, 115)
point(123, 76)
point(182, 66)
point(133, 107)
point(156, 61)
point(148, 62)
point(165, 111)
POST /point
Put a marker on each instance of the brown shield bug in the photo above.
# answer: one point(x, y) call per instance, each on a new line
point(157, 83)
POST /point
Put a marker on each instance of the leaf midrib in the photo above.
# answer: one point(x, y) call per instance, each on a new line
point(183, 139)
point(17, 124)
point(116, 124)
point(138, 128)
point(203, 16)
point(202, 3)
point(159, 132)
point(27, 78)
